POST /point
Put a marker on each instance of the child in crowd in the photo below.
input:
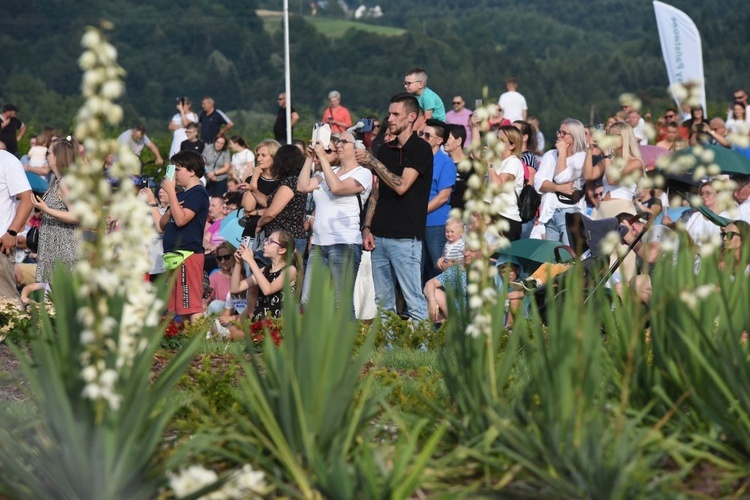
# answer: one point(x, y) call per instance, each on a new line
point(193, 142)
point(38, 152)
point(453, 253)
point(285, 267)
point(221, 279)
point(183, 225)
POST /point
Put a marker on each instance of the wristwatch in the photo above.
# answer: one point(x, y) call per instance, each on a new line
point(12, 233)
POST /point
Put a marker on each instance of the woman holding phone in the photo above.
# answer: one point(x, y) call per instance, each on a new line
point(59, 237)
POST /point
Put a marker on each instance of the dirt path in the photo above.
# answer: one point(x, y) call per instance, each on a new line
point(9, 365)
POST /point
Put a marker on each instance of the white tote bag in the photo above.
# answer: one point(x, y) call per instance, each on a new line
point(364, 289)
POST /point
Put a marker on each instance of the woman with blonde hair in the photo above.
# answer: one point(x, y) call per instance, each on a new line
point(559, 180)
point(509, 170)
point(620, 170)
point(264, 181)
point(59, 237)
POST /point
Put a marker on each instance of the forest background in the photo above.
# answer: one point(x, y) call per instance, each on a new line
point(572, 58)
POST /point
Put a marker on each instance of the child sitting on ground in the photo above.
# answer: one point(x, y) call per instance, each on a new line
point(285, 267)
point(453, 253)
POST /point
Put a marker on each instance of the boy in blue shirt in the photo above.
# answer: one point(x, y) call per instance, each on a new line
point(183, 224)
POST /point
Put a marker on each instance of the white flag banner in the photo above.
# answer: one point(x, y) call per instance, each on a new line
point(681, 47)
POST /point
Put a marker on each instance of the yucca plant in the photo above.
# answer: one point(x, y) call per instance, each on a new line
point(563, 428)
point(307, 403)
point(79, 447)
point(703, 322)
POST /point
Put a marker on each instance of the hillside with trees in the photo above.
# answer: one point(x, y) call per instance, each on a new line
point(571, 59)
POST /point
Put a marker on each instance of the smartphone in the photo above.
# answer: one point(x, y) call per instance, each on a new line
point(170, 172)
point(247, 241)
point(477, 103)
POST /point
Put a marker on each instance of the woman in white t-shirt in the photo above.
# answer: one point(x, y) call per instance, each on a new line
point(180, 120)
point(560, 180)
point(243, 159)
point(738, 121)
point(509, 171)
point(340, 194)
point(699, 228)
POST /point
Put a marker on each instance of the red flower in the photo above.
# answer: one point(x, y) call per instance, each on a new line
point(174, 329)
point(259, 328)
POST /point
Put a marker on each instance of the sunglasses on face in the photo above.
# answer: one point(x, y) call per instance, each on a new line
point(220, 258)
point(336, 142)
point(456, 103)
point(729, 235)
point(423, 134)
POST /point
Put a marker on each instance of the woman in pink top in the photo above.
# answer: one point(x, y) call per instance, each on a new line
point(336, 115)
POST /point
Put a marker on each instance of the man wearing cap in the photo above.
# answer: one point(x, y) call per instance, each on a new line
point(15, 207)
point(11, 128)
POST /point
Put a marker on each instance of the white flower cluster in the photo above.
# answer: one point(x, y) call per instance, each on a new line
point(113, 264)
point(483, 203)
point(246, 483)
point(692, 297)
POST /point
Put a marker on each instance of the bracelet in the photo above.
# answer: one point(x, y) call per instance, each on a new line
point(12, 233)
point(153, 205)
point(365, 227)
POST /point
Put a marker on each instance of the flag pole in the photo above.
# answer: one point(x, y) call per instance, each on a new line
point(287, 78)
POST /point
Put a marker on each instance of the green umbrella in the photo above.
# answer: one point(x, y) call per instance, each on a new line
point(713, 216)
point(730, 162)
point(531, 253)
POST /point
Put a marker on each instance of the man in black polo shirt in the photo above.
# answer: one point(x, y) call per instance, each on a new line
point(279, 126)
point(397, 211)
point(213, 121)
point(11, 128)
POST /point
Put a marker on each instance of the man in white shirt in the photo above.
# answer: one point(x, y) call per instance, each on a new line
point(742, 196)
point(15, 207)
point(136, 139)
point(639, 125)
point(512, 102)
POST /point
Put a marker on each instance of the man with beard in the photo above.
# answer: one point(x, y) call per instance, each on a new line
point(397, 210)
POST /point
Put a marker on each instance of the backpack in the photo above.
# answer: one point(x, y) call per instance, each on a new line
point(528, 199)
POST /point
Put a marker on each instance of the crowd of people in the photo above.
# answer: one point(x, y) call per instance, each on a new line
point(388, 191)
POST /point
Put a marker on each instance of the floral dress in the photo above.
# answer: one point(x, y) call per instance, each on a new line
point(58, 241)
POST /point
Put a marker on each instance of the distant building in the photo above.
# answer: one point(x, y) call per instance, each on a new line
point(363, 12)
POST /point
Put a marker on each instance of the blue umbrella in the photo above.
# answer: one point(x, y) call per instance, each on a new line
point(230, 228)
point(37, 182)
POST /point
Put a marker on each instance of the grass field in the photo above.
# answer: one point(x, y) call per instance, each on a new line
point(332, 28)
